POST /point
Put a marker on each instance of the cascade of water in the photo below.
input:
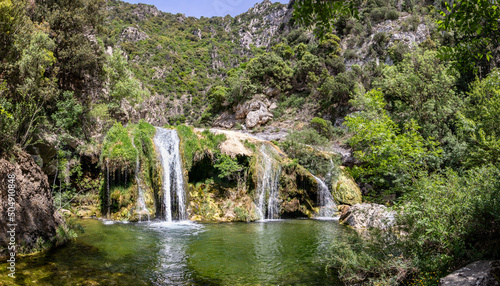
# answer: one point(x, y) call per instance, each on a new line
point(141, 201)
point(174, 198)
point(107, 188)
point(327, 205)
point(268, 172)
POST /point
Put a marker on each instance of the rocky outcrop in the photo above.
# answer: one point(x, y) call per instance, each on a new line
point(395, 34)
point(144, 11)
point(35, 217)
point(157, 109)
point(345, 191)
point(365, 216)
point(484, 273)
point(255, 112)
point(133, 34)
point(265, 24)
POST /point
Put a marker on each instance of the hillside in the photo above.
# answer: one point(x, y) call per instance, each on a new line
point(130, 114)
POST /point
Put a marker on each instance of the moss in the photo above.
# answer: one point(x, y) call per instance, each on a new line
point(117, 148)
point(298, 191)
point(345, 190)
point(121, 149)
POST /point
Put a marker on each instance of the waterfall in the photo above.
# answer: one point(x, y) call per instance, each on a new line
point(268, 171)
point(107, 188)
point(174, 198)
point(327, 205)
point(141, 201)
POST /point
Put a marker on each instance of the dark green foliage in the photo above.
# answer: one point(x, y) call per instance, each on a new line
point(475, 25)
point(323, 14)
point(270, 70)
point(391, 155)
point(228, 167)
point(67, 116)
point(421, 88)
point(479, 120)
point(78, 57)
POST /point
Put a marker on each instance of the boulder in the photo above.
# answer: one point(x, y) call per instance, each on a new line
point(364, 216)
point(345, 191)
point(35, 216)
point(255, 112)
point(483, 273)
point(225, 120)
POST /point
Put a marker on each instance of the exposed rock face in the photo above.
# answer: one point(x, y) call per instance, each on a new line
point(132, 34)
point(345, 191)
point(144, 11)
point(266, 19)
point(35, 215)
point(364, 216)
point(255, 112)
point(484, 273)
point(395, 34)
point(157, 109)
point(197, 33)
point(225, 120)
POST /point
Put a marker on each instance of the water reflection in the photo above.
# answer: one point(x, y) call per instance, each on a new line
point(283, 252)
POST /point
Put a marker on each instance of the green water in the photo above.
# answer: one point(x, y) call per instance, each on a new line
point(285, 252)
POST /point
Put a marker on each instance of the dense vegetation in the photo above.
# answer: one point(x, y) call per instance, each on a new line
point(421, 118)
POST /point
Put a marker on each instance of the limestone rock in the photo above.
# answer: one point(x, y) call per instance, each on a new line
point(265, 24)
point(345, 191)
point(144, 11)
point(157, 109)
point(35, 214)
point(484, 273)
point(197, 33)
point(225, 120)
point(364, 216)
point(133, 34)
point(255, 112)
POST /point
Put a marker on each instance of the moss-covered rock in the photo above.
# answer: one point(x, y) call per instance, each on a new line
point(122, 149)
point(345, 190)
point(298, 191)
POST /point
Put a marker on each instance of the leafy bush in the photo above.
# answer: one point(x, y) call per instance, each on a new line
point(479, 120)
point(373, 260)
point(67, 116)
point(452, 218)
point(391, 156)
point(304, 146)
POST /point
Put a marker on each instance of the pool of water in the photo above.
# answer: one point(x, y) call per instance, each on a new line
point(281, 252)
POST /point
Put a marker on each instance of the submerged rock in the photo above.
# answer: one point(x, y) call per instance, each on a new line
point(35, 216)
point(363, 216)
point(485, 273)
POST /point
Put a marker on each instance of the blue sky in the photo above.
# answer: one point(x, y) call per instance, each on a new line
point(207, 8)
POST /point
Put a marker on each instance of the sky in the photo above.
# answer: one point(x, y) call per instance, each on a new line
point(207, 8)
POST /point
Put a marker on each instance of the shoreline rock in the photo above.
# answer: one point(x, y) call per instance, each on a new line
point(485, 273)
point(365, 216)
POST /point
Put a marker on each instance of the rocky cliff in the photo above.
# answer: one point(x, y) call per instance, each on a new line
point(25, 192)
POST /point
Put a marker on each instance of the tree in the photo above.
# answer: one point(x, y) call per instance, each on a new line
point(391, 156)
point(75, 24)
point(323, 13)
point(480, 119)
point(269, 69)
point(421, 88)
point(476, 26)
